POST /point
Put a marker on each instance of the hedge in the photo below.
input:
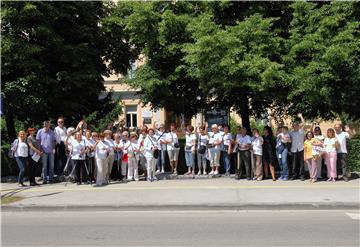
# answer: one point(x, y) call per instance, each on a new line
point(353, 161)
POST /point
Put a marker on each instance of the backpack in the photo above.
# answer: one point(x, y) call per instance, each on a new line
point(13, 149)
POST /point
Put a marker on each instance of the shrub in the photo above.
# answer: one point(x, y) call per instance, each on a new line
point(353, 161)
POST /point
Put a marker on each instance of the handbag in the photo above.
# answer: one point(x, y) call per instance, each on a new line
point(202, 149)
point(176, 144)
point(156, 152)
point(13, 149)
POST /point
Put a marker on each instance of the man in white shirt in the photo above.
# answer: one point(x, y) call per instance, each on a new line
point(243, 157)
point(342, 136)
point(60, 155)
point(297, 151)
point(226, 149)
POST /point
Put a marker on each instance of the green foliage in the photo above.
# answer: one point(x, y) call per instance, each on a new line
point(53, 58)
point(353, 161)
point(100, 120)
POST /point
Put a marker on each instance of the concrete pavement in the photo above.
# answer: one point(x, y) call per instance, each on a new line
point(218, 193)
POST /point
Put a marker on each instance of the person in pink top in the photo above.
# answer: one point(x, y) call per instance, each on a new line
point(331, 144)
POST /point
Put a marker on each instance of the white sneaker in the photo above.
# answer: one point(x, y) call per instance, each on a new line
point(157, 171)
point(216, 172)
point(205, 173)
point(211, 173)
point(162, 170)
point(136, 179)
point(199, 173)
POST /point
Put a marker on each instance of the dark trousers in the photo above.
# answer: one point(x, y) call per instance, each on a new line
point(161, 160)
point(297, 164)
point(244, 159)
point(341, 163)
point(116, 170)
point(32, 169)
point(60, 158)
point(90, 164)
point(79, 170)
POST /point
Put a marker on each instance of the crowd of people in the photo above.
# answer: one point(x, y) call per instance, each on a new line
point(98, 158)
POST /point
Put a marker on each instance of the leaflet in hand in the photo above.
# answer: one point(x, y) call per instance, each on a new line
point(35, 157)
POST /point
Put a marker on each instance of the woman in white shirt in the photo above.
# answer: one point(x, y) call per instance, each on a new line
point(151, 154)
point(132, 148)
point(173, 148)
point(201, 150)
point(124, 156)
point(331, 144)
point(20, 150)
point(90, 155)
point(226, 149)
point(110, 144)
point(101, 156)
point(190, 150)
point(256, 144)
point(78, 155)
point(215, 141)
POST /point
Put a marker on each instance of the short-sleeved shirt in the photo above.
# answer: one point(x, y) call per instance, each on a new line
point(257, 145)
point(101, 150)
point(227, 139)
point(203, 139)
point(171, 136)
point(308, 148)
point(297, 140)
point(329, 144)
point(342, 141)
point(161, 136)
point(34, 142)
point(90, 143)
point(243, 140)
point(110, 144)
point(77, 148)
point(215, 137)
point(190, 139)
point(46, 140)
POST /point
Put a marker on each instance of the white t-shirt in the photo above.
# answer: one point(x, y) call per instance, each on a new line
point(257, 145)
point(131, 148)
point(101, 150)
point(297, 140)
point(77, 147)
point(215, 137)
point(110, 144)
point(60, 134)
point(342, 141)
point(172, 137)
point(90, 143)
point(22, 149)
point(190, 139)
point(161, 136)
point(227, 139)
point(203, 139)
point(329, 144)
point(149, 145)
point(242, 141)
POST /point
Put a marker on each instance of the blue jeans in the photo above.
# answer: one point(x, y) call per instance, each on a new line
point(190, 159)
point(48, 166)
point(226, 161)
point(283, 162)
point(161, 160)
point(21, 162)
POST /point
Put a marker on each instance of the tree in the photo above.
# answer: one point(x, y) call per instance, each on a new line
point(323, 60)
point(52, 60)
point(238, 66)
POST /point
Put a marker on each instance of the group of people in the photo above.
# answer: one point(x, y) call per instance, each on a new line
point(93, 157)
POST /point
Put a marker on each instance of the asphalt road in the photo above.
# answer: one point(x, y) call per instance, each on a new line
point(181, 228)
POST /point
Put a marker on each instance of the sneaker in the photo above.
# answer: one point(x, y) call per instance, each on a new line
point(211, 173)
point(237, 177)
point(258, 179)
point(157, 171)
point(148, 179)
point(227, 174)
point(254, 179)
point(216, 172)
point(346, 179)
point(162, 170)
point(155, 179)
point(199, 173)
point(302, 178)
point(175, 172)
point(192, 174)
point(285, 179)
point(136, 179)
point(205, 173)
point(188, 173)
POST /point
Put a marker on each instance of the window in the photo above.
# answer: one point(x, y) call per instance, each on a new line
point(131, 116)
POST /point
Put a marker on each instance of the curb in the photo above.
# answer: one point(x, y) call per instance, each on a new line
point(225, 207)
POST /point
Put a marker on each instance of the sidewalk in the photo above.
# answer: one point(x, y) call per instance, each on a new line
point(186, 194)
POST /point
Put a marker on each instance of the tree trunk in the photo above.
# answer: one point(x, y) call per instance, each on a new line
point(244, 113)
point(10, 125)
